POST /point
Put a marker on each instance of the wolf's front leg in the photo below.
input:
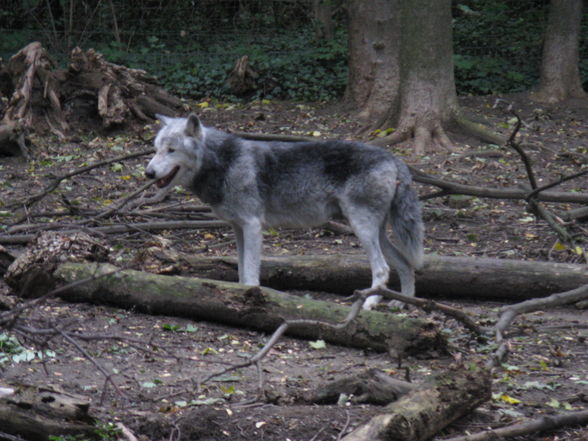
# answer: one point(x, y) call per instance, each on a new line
point(250, 253)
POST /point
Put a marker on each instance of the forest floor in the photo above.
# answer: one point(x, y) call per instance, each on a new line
point(547, 369)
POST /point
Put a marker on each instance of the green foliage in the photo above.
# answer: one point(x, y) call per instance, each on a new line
point(497, 45)
point(290, 66)
point(9, 347)
point(486, 75)
point(11, 351)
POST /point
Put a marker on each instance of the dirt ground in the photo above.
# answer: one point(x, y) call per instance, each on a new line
point(159, 361)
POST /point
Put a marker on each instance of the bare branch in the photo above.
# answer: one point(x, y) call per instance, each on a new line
point(543, 424)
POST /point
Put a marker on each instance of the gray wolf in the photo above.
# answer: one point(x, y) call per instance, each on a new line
point(256, 184)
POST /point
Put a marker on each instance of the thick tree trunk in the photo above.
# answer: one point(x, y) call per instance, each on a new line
point(422, 413)
point(428, 99)
point(35, 413)
point(374, 45)
point(463, 277)
point(560, 73)
point(233, 304)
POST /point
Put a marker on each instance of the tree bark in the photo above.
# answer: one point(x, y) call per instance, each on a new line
point(560, 74)
point(428, 99)
point(422, 413)
point(415, 87)
point(374, 47)
point(324, 26)
point(35, 413)
point(442, 276)
point(263, 309)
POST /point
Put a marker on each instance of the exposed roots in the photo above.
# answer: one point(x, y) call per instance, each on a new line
point(425, 138)
point(431, 135)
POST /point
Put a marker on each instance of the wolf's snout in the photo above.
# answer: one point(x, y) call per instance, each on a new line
point(150, 174)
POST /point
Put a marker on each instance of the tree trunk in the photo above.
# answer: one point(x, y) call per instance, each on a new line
point(442, 276)
point(36, 413)
point(401, 72)
point(422, 413)
point(374, 45)
point(428, 98)
point(324, 27)
point(262, 309)
point(560, 73)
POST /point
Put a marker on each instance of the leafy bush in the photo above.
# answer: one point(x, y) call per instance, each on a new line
point(498, 45)
point(291, 66)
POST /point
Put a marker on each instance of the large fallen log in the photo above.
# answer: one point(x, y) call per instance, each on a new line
point(263, 309)
point(36, 413)
point(423, 412)
point(442, 276)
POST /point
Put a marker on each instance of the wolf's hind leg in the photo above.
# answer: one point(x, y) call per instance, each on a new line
point(396, 259)
point(240, 247)
point(365, 226)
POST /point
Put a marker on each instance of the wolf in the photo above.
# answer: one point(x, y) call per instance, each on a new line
point(255, 184)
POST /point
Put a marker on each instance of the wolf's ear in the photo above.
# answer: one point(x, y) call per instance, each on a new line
point(193, 126)
point(163, 119)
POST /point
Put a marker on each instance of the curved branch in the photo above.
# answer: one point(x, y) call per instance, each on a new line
point(495, 193)
point(543, 424)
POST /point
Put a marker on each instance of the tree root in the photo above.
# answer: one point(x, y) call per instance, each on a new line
point(427, 137)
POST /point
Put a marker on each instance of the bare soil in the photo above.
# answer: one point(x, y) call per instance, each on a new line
point(159, 361)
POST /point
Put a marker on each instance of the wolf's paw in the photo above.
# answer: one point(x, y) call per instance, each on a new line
point(371, 302)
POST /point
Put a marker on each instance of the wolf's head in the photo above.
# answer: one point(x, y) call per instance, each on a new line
point(178, 147)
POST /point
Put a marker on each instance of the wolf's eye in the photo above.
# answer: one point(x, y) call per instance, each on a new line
point(170, 150)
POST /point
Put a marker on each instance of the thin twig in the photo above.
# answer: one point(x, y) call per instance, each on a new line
point(429, 305)
point(532, 197)
point(354, 311)
point(345, 426)
point(124, 201)
point(563, 179)
point(56, 181)
point(103, 371)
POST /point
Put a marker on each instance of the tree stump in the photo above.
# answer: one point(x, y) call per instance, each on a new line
point(242, 79)
point(91, 94)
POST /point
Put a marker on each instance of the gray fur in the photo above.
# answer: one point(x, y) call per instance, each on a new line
point(256, 184)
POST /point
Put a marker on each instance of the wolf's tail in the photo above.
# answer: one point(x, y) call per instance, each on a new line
point(406, 218)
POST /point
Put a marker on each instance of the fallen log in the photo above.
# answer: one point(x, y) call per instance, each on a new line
point(36, 413)
point(442, 276)
point(423, 412)
point(262, 309)
point(370, 386)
